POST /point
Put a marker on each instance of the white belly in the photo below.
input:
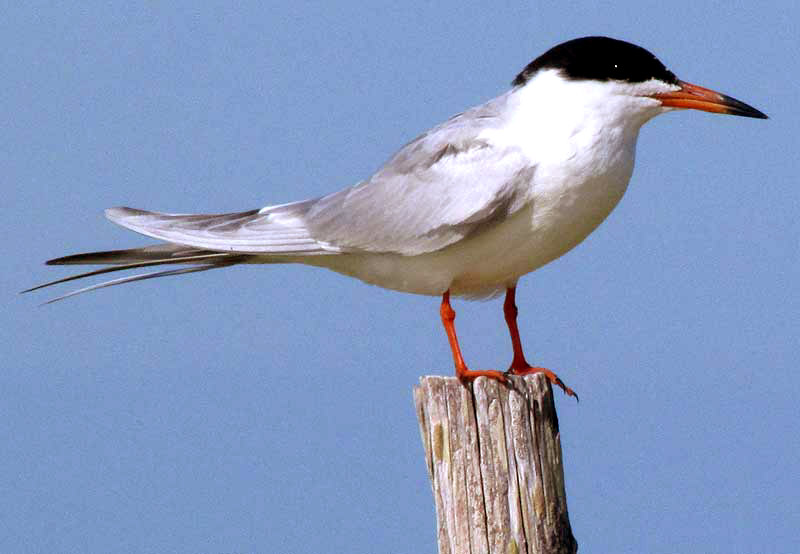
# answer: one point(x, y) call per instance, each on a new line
point(487, 263)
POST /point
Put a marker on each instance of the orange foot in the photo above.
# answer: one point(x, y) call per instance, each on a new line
point(529, 370)
point(467, 375)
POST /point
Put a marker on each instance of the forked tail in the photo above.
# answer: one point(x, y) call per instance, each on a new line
point(136, 258)
point(201, 242)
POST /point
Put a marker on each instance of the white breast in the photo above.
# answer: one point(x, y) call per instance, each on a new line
point(555, 221)
point(581, 142)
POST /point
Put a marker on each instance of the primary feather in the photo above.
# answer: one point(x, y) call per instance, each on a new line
point(447, 183)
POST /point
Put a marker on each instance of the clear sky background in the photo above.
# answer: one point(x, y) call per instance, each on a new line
point(268, 409)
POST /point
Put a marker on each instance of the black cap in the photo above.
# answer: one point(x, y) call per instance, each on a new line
point(599, 59)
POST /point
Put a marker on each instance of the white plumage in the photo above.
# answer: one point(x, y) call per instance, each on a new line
point(466, 208)
point(470, 206)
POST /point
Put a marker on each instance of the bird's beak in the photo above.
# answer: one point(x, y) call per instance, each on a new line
point(694, 97)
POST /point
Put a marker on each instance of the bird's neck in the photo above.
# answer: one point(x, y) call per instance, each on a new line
point(573, 128)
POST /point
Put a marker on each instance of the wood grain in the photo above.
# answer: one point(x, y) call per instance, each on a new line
point(493, 454)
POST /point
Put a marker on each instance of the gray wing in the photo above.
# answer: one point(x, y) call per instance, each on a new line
point(441, 187)
point(271, 230)
point(438, 189)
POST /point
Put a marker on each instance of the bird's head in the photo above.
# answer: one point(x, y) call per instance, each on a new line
point(626, 76)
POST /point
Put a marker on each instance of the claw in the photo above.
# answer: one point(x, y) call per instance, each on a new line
point(552, 377)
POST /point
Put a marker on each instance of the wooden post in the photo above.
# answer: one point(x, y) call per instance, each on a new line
point(493, 454)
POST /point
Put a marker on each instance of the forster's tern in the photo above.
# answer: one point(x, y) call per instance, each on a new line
point(466, 208)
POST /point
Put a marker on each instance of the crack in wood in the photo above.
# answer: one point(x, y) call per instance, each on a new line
point(493, 455)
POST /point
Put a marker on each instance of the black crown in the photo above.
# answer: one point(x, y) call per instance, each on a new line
point(599, 59)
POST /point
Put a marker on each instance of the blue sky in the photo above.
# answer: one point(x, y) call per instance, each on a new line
point(269, 409)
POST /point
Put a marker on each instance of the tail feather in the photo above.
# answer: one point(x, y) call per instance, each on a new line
point(203, 242)
point(155, 252)
point(136, 258)
point(140, 277)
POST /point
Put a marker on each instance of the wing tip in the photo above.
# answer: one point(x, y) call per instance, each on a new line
point(119, 212)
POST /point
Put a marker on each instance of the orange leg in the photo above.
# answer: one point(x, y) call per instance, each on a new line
point(448, 317)
point(518, 365)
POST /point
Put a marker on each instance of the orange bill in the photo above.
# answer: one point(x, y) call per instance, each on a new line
point(694, 97)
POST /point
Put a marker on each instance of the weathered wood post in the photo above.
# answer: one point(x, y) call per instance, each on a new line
point(493, 454)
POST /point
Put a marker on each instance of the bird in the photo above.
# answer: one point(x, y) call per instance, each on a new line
point(466, 208)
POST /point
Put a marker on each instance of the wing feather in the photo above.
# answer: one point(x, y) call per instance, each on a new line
point(441, 187)
point(274, 230)
point(438, 189)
